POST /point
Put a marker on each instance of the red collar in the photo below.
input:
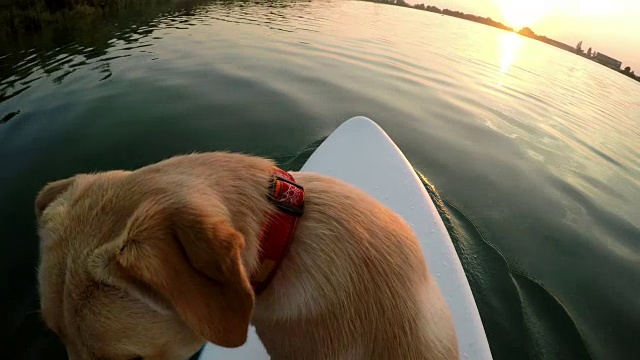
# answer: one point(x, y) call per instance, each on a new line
point(277, 232)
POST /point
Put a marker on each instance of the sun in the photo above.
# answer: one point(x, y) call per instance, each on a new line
point(521, 13)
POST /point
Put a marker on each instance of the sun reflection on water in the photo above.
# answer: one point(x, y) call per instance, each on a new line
point(510, 44)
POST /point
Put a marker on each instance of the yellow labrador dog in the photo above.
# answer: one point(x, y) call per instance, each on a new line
point(150, 264)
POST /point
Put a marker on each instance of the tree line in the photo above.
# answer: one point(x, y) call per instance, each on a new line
point(488, 21)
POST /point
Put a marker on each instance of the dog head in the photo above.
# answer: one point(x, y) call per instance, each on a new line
point(140, 266)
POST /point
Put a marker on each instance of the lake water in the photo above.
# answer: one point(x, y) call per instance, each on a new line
point(535, 151)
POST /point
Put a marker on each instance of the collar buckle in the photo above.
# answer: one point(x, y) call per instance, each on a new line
point(287, 196)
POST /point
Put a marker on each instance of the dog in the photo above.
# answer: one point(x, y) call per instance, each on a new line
point(153, 263)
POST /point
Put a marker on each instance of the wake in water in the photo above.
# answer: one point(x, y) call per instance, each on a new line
point(521, 318)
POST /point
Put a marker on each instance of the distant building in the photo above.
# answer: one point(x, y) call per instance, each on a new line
point(608, 61)
point(559, 44)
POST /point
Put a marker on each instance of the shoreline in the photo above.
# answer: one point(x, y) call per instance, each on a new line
point(29, 17)
point(20, 18)
point(526, 32)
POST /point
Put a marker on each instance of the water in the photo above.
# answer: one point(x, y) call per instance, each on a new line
point(535, 151)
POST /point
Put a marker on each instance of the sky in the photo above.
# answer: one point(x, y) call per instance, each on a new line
point(611, 27)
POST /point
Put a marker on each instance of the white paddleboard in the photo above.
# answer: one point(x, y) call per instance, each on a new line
point(360, 152)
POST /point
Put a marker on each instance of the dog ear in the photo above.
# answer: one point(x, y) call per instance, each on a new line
point(185, 259)
point(50, 192)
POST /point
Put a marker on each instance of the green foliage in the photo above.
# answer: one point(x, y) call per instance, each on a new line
point(29, 16)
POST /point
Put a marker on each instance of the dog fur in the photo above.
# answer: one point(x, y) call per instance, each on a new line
point(154, 262)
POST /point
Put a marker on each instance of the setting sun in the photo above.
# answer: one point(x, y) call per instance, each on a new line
point(521, 13)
